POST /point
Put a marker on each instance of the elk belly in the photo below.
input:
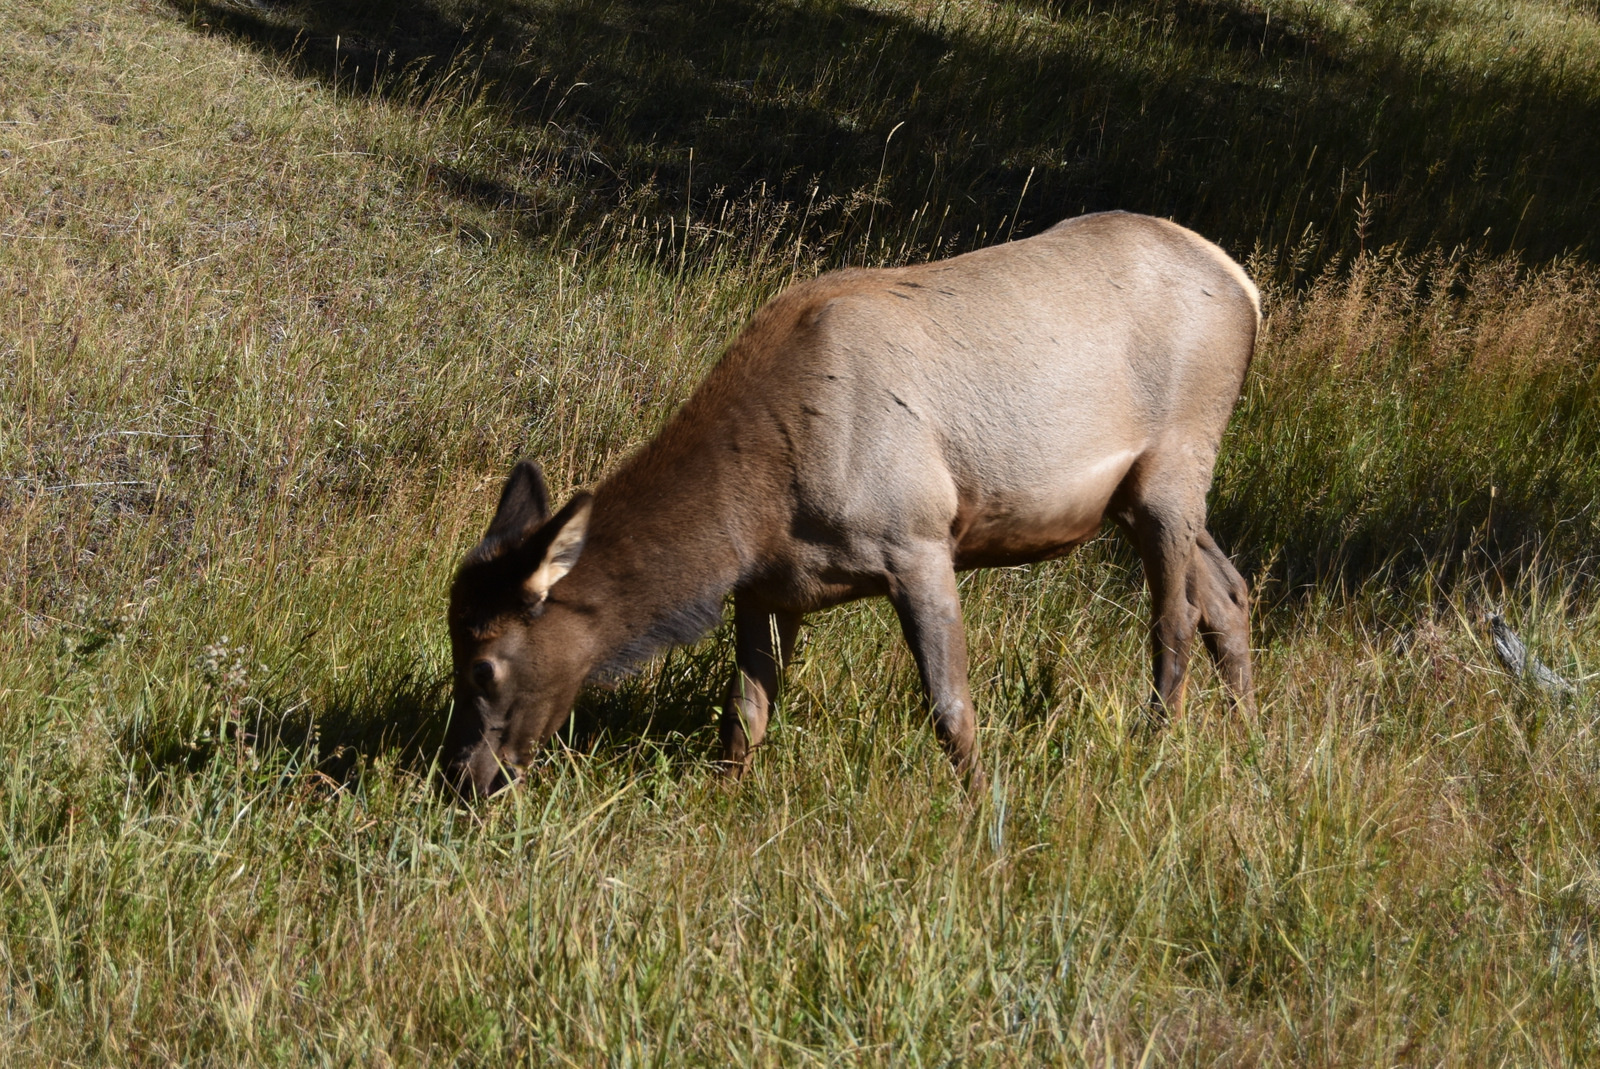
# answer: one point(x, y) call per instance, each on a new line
point(1018, 527)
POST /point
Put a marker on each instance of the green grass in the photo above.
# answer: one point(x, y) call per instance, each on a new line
point(269, 340)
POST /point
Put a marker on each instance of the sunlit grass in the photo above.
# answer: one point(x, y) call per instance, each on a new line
point(260, 376)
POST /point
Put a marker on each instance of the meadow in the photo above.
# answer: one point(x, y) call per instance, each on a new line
point(287, 285)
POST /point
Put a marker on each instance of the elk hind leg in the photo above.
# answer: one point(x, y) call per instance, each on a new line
point(1218, 593)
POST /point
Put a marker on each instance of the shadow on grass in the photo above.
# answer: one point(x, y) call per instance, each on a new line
point(667, 713)
point(932, 134)
point(1453, 474)
point(398, 713)
point(393, 711)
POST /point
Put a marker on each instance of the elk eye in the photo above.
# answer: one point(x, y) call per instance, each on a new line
point(483, 674)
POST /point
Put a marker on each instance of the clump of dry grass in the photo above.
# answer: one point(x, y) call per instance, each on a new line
point(262, 374)
point(1464, 390)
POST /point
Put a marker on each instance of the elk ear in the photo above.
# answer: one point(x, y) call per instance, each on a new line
point(562, 542)
point(524, 505)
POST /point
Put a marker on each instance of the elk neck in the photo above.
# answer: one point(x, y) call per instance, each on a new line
point(674, 530)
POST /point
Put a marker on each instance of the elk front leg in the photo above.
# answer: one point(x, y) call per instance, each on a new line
point(922, 588)
point(762, 643)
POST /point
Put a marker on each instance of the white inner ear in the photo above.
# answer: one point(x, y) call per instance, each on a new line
point(560, 557)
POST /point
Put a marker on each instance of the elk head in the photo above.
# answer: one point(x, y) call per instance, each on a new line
point(519, 656)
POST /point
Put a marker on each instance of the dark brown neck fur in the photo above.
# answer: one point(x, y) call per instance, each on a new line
point(685, 520)
point(671, 535)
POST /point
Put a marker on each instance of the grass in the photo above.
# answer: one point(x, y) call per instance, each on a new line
point(271, 338)
point(1316, 129)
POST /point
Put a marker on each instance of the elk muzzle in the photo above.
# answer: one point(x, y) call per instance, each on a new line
point(479, 772)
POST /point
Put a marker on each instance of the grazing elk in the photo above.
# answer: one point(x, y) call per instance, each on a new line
point(875, 432)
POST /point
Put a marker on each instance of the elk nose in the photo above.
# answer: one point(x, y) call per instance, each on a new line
point(476, 774)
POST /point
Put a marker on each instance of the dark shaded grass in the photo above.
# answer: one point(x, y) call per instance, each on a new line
point(903, 129)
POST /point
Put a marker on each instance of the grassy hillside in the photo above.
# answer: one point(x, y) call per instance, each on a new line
point(273, 328)
point(1314, 129)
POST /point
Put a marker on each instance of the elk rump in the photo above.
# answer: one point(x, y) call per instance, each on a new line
point(873, 432)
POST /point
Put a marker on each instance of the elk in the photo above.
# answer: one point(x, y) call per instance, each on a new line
point(874, 432)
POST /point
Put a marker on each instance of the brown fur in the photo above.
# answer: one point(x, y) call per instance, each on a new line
point(870, 433)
